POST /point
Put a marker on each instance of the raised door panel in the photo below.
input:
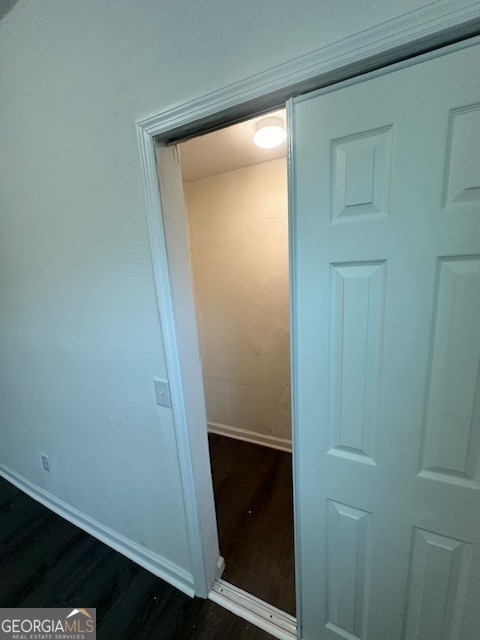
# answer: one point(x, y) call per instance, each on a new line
point(361, 165)
point(462, 179)
point(356, 323)
point(438, 581)
point(452, 430)
point(348, 550)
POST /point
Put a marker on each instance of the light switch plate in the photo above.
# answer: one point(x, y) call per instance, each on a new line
point(162, 392)
point(46, 463)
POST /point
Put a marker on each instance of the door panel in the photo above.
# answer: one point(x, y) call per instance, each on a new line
point(385, 187)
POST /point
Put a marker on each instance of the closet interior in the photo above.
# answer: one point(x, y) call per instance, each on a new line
point(236, 206)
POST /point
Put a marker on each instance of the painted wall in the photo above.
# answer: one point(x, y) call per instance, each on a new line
point(80, 336)
point(239, 252)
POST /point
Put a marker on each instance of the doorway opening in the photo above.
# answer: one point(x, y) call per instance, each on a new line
point(236, 207)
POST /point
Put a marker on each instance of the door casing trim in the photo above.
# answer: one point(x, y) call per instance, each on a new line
point(392, 43)
point(417, 32)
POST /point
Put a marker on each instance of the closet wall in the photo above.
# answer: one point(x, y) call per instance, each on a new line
point(239, 256)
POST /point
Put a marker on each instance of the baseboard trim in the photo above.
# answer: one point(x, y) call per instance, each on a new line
point(283, 444)
point(277, 623)
point(150, 561)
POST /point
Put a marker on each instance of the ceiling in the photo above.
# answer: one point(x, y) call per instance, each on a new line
point(225, 150)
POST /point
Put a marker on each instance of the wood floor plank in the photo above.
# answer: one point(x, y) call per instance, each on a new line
point(254, 504)
point(211, 621)
point(47, 562)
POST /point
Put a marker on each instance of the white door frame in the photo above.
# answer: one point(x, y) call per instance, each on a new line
point(425, 29)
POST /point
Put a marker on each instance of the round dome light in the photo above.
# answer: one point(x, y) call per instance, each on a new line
point(269, 133)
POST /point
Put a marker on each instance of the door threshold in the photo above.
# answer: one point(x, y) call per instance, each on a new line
point(277, 623)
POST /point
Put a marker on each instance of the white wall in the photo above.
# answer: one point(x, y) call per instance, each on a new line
point(239, 253)
point(80, 337)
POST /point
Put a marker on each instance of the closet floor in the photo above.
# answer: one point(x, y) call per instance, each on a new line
point(254, 503)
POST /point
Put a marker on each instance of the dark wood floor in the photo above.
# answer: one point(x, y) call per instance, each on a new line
point(47, 562)
point(253, 497)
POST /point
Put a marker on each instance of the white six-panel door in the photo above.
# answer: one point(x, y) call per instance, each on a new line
point(386, 331)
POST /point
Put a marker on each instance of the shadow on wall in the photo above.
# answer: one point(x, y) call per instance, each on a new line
point(6, 6)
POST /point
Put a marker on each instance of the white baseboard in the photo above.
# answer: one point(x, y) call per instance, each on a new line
point(277, 623)
point(149, 560)
point(250, 436)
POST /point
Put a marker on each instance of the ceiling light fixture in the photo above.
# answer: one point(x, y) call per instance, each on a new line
point(269, 132)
